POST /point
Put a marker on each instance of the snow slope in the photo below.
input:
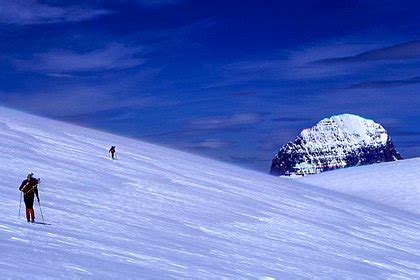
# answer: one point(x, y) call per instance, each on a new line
point(156, 213)
point(396, 184)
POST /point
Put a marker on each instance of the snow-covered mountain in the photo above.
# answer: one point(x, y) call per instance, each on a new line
point(340, 141)
point(156, 213)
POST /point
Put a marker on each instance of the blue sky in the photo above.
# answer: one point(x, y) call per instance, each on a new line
point(233, 80)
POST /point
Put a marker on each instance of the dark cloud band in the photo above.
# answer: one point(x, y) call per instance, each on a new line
point(404, 51)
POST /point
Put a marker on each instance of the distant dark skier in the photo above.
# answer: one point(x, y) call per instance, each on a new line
point(112, 151)
point(29, 189)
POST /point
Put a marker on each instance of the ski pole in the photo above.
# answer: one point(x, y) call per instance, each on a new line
point(40, 210)
point(20, 204)
point(39, 203)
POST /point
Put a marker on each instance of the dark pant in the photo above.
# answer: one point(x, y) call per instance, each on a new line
point(29, 203)
point(29, 200)
point(30, 214)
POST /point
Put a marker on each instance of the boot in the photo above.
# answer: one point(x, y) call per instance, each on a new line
point(28, 214)
point(33, 215)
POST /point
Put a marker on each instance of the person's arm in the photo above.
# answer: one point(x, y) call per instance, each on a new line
point(22, 185)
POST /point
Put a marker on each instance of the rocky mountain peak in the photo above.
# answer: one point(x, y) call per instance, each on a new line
point(336, 142)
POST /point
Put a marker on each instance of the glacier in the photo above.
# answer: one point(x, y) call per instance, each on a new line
point(157, 213)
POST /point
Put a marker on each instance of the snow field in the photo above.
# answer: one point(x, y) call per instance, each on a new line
point(156, 213)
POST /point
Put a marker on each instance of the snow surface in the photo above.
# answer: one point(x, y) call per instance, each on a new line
point(396, 183)
point(156, 213)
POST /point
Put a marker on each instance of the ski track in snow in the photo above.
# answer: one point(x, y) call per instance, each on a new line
point(156, 213)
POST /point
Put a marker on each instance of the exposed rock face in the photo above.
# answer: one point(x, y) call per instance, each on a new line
point(336, 142)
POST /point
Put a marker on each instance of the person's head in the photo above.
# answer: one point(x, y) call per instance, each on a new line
point(29, 176)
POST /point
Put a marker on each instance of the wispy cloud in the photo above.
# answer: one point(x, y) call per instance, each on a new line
point(404, 51)
point(113, 56)
point(244, 93)
point(156, 3)
point(207, 144)
point(26, 12)
point(273, 141)
point(385, 83)
point(409, 144)
point(254, 70)
point(74, 100)
point(59, 75)
point(291, 65)
point(406, 133)
point(291, 119)
point(220, 122)
point(80, 97)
